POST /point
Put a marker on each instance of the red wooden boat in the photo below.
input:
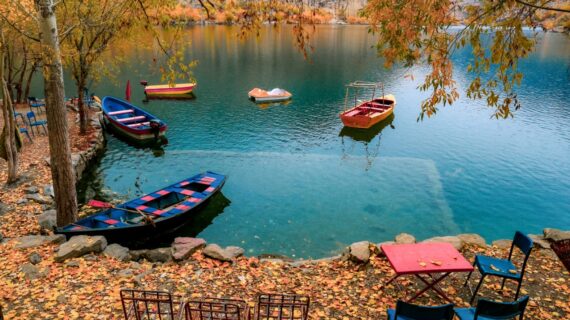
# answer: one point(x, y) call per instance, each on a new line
point(368, 113)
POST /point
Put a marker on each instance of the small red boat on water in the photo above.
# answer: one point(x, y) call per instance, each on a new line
point(368, 113)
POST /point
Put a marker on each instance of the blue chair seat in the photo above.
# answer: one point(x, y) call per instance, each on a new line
point(503, 265)
point(468, 314)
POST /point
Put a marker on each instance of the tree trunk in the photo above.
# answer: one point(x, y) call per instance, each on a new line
point(10, 149)
point(20, 84)
point(82, 107)
point(29, 80)
point(62, 170)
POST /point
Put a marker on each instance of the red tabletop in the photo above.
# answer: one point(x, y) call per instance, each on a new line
point(429, 257)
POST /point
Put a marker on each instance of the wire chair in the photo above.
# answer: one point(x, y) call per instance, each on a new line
point(216, 309)
point(281, 307)
point(147, 305)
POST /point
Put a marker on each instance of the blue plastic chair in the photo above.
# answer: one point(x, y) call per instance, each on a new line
point(503, 268)
point(25, 131)
point(35, 103)
point(491, 310)
point(408, 311)
point(35, 123)
point(16, 114)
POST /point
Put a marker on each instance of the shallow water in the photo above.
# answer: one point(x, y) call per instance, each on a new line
point(301, 185)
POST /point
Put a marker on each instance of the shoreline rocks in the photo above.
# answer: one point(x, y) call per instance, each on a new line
point(223, 254)
point(78, 246)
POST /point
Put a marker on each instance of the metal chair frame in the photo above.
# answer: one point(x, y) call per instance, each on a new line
point(416, 312)
point(216, 309)
point(144, 304)
point(499, 310)
point(281, 307)
point(520, 241)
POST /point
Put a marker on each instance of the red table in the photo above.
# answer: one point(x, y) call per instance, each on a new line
point(426, 258)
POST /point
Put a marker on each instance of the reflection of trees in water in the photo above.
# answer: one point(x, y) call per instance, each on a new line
point(365, 136)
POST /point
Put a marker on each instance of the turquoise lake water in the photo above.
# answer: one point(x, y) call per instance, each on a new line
point(300, 185)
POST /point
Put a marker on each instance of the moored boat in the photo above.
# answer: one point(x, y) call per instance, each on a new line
point(274, 95)
point(168, 90)
point(131, 122)
point(152, 215)
point(368, 113)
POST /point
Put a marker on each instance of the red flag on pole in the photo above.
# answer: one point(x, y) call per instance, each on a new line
point(128, 91)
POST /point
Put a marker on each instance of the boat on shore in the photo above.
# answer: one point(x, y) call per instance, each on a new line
point(274, 95)
point(175, 90)
point(366, 114)
point(132, 123)
point(150, 216)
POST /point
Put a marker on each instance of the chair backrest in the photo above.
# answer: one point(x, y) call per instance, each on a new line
point(415, 312)
point(216, 309)
point(523, 242)
point(31, 115)
point(142, 304)
point(501, 310)
point(281, 307)
point(32, 99)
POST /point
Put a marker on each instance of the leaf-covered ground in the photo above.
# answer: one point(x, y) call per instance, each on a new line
point(88, 287)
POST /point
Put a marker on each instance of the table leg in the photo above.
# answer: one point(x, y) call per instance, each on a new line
point(389, 281)
point(431, 285)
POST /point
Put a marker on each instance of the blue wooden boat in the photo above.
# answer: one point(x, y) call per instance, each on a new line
point(131, 122)
point(152, 215)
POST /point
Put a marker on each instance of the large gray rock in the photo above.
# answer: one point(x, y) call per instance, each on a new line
point(184, 247)
point(158, 255)
point(136, 255)
point(78, 246)
point(216, 252)
point(405, 238)
point(455, 241)
point(359, 251)
point(32, 272)
point(472, 239)
point(36, 241)
point(48, 219)
point(118, 252)
point(539, 241)
point(502, 243)
point(556, 234)
point(48, 191)
point(31, 190)
point(36, 197)
point(379, 246)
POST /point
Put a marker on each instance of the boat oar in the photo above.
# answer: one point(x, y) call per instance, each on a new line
point(106, 205)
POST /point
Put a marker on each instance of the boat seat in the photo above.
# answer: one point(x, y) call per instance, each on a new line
point(131, 119)
point(376, 109)
point(139, 124)
point(109, 221)
point(115, 113)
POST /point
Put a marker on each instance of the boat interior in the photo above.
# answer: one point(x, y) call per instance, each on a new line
point(130, 117)
point(371, 108)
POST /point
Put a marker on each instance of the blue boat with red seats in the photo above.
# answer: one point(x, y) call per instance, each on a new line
point(152, 215)
point(132, 123)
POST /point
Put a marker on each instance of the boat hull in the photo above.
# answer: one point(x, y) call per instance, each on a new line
point(169, 91)
point(369, 113)
point(262, 96)
point(135, 235)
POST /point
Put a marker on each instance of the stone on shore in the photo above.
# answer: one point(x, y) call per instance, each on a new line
point(48, 219)
point(36, 241)
point(539, 241)
point(136, 255)
point(34, 258)
point(4, 208)
point(359, 251)
point(158, 255)
point(184, 247)
point(118, 252)
point(454, 241)
point(380, 252)
point(472, 239)
point(502, 243)
point(556, 234)
point(214, 251)
point(31, 190)
point(48, 191)
point(32, 272)
point(78, 246)
point(405, 238)
point(36, 197)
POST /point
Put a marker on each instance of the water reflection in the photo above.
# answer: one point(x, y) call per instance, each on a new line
point(188, 96)
point(366, 136)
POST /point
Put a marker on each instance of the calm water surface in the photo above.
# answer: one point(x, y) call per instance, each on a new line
point(298, 184)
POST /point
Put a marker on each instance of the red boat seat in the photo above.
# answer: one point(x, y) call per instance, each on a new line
point(115, 113)
point(132, 119)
